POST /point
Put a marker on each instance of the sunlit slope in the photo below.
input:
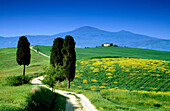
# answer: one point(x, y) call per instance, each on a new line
point(82, 53)
point(123, 73)
point(150, 73)
point(9, 66)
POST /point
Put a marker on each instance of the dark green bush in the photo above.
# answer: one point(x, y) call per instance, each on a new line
point(40, 99)
point(17, 80)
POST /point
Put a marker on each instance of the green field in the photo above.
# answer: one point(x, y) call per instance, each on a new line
point(128, 73)
point(127, 83)
point(14, 98)
point(9, 66)
point(82, 53)
point(140, 82)
point(125, 100)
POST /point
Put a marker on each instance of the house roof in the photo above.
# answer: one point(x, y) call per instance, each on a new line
point(108, 43)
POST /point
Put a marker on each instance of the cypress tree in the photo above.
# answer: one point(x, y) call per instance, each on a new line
point(69, 58)
point(23, 53)
point(56, 54)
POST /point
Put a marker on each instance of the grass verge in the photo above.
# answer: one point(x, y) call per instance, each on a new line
point(120, 100)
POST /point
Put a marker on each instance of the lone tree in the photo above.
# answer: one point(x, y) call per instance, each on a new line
point(56, 52)
point(23, 53)
point(69, 58)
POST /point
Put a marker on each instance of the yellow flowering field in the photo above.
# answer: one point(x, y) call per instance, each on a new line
point(131, 83)
point(126, 73)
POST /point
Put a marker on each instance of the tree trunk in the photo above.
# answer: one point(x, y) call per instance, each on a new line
point(68, 86)
point(52, 89)
point(23, 77)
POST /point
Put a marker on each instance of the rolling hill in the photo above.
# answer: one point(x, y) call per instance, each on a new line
point(84, 53)
point(91, 37)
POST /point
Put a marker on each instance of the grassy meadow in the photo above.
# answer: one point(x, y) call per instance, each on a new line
point(113, 78)
point(14, 98)
point(9, 66)
point(118, 78)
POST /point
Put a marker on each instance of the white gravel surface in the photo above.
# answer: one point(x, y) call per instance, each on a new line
point(73, 104)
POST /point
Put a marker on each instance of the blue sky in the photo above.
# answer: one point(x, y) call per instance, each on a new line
point(39, 17)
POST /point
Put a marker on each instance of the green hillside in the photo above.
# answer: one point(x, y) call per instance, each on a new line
point(128, 73)
point(140, 82)
point(137, 84)
point(82, 53)
point(126, 83)
point(9, 66)
point(13, 98)
point(150, 73)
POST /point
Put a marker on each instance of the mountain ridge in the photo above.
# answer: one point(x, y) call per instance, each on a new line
point(88, 36)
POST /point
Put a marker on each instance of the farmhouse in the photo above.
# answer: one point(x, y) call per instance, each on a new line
point(107, 44)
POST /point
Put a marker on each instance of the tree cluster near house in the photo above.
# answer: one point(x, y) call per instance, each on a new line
point(109, 44)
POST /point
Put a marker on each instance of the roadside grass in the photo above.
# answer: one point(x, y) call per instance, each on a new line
point(121, 100)
point(43, 99)
point(23, 98)
point(13, 98)
point(96, 99)
point(82, 53)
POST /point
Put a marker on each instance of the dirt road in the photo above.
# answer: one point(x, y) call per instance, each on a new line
point(75, 102)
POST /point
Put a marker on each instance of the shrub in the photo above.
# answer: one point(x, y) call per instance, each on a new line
point(40, 99)
point(62, 84)
point(17, 80)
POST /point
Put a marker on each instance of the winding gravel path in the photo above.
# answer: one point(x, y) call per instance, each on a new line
point(38, 52)
point(81, 103)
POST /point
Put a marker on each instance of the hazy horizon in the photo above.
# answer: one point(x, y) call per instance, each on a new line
point(75, 29)
point(48, 17)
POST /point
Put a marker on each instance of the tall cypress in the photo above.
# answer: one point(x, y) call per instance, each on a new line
point(56, 57)
point(23, 53)
point(69, 58)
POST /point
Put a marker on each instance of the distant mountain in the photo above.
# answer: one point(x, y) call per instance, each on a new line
point(90, 37)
